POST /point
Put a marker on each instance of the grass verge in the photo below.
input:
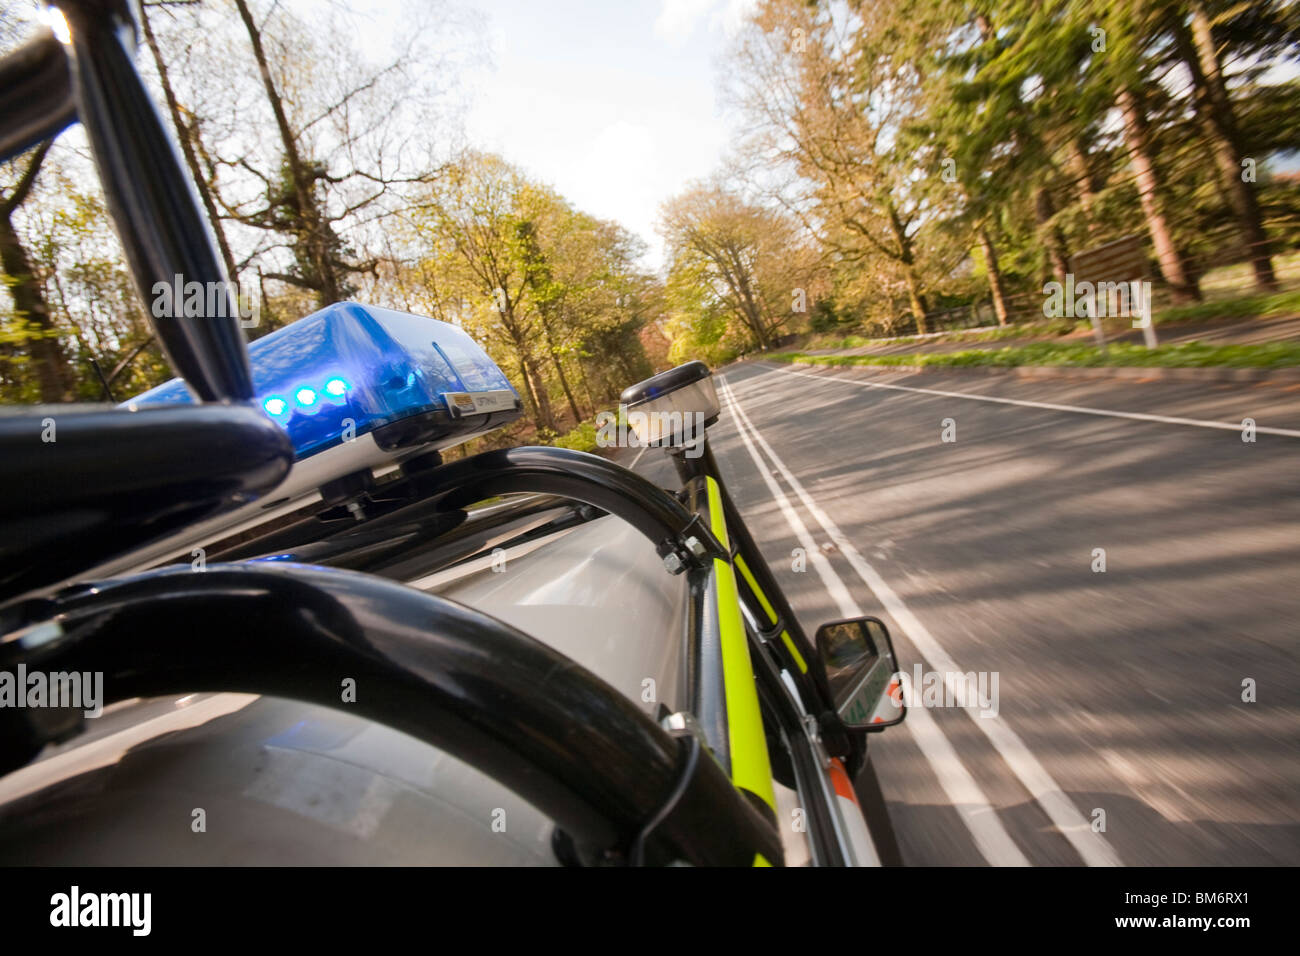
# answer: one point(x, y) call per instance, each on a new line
point(1242, 307)
point(1184, 355)
point(1236, 308)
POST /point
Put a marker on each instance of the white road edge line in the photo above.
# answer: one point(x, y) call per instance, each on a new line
point(1050, 406)
point(990, 836)
point(1090, 845)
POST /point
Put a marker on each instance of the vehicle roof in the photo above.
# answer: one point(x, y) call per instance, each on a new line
point(282, 782)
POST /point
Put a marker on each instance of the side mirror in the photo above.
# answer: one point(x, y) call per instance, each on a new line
point(863, 673)
point(673, 407)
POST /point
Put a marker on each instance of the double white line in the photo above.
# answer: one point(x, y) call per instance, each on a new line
point(967, 797)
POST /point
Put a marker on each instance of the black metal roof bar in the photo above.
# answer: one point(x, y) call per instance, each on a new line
point(509, 705)
point(35, 95)
point(152, 201)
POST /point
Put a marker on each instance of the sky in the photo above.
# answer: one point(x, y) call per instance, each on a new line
point(612, 103)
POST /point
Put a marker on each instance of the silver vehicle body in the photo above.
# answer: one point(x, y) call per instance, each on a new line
point(242, 779)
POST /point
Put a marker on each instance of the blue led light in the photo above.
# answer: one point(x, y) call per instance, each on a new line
point(349, 369)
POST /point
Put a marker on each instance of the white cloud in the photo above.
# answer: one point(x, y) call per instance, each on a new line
point(615, 176)
point(615, 130)
point(678, 18)
point(734, 15)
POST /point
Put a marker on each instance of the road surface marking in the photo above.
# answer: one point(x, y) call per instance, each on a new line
point(1050, 406)
point(972, 806)
point(1091, 846)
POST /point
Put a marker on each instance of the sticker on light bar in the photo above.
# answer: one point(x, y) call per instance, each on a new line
point(478, 403)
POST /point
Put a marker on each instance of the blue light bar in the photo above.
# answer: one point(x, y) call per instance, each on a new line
point(349, 369)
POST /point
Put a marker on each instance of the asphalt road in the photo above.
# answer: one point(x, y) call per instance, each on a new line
point(1120, 692)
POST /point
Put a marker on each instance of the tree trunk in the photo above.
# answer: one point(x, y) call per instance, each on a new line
point(751, 313)
point(914, 298)
point(559, 369)
point(1082, 173)
point(529, 397)
point(568, 392)
point(534, 384)
point(545, 417)
point(906, 259)
point(1215, 113)
point(1044, 210)
point(754, 320)
point(310, 216)
point(44, 348)
point(54, 378)
point(586, 385)
point(995, 276)
point(186, 136)
point(564, 383)
point(1173, 267)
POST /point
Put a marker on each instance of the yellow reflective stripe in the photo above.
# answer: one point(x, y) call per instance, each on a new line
point(798, 658)
point(771, 614)
point(753, 586)
point(760, 860)
point(750, 766)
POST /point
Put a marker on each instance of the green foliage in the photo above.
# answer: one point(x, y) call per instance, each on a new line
point(910, 131)
point(554, 295)
point(880, 159)
point(704, 333)
point(824, 317)
point(739, 273)
point(580, 438)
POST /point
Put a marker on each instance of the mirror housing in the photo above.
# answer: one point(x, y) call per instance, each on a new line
point(862, 672)
point(673, 407)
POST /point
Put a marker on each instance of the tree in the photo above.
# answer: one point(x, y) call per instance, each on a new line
point(550, 291)
point(1128, 67)
point(1214, 111)
point(748, 262)
point(110, 344)
point(31, 325)
point(825, 98)
point(473, 213)
point(188, 136)
point(305, 147)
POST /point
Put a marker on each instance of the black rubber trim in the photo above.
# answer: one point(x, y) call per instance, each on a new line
point(437, 424)
point(664, 382)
